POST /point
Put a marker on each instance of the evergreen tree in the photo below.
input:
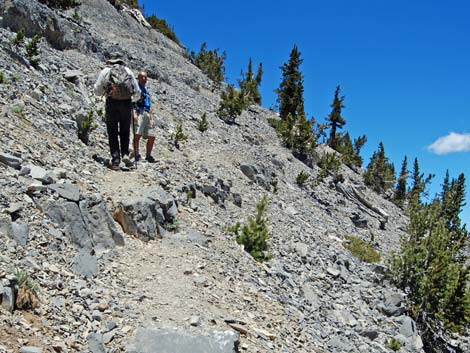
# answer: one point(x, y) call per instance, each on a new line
point(433, 268)
point(249, 84)
point(210, 62)
point(231, 105)
point(453, 201)
point(335, 120)
point(400, 188)
point(380, 173)
point(162, 26)
point(351, 153)
point(418, 188)
point(291, 90)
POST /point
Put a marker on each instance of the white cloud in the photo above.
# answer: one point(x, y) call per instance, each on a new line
point(451, 143)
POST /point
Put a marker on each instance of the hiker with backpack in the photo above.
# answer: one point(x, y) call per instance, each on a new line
point(118, 84)
point(144, 120)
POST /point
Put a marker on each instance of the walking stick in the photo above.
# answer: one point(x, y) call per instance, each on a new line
point(133, 140)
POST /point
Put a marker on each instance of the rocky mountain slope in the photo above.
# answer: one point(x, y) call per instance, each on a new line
point(165, 275)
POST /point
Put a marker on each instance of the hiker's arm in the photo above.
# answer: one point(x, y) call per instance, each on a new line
point(99, 85)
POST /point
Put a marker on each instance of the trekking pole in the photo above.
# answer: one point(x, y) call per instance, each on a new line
point(133, 139)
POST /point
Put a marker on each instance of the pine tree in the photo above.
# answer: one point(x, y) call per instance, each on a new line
point(291, 90)
point(231, 105)
point(400, 188)
point(418, 188)
point(351, 153)
point(335, 120)
point(432, 266)
point(249, 84)
point(380, 173)
point(210, 62)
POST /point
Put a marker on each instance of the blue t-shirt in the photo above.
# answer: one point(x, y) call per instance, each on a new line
point(143, 104)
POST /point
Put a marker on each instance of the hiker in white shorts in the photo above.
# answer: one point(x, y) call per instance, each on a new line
point(144, 120)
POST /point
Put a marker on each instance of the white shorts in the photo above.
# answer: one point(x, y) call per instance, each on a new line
point(143, 127)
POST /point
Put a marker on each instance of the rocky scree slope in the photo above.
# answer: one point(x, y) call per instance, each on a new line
point(165, 271)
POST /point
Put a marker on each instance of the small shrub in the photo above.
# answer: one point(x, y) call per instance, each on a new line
point(231, 105)
point(393, 344)
point(234, 229)
point(203, 124)
point(32, 50)
point(86, 126)
point(301, 178)
point(361, 249)
point(19, 39)
point(27, 291)
point(173, 226)
point(17, 109)
point(76, 16)
point(2, 78)
point(328, 163)
point(254, 235)
point(178, 136)
point(210, 62)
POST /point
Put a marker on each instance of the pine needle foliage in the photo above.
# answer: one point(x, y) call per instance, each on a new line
point(249, 84)
point(2, 78)
point(329, 163)
point(179, 136)
point(433, 265)
point(162, 26)
point(203, 124)
point(210, 62)
point(380, 173)
point(418, 188)
point(231, 105)
point(291, 90)
point(32, 49)
point(301, 178)
point(19, 38)
point(400, 194)
point(254, 235)
point(335, 120)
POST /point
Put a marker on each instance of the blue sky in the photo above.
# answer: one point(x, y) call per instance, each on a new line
point(404, 66)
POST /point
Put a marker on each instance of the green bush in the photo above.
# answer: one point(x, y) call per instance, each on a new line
point(2, 78)
point(361, 249)
point(301, 178)
point(231, 105)
point(19, 38)
point(178, 136)
point(210, 62)
point(254, 235)
point(162, 26)
point(27, 297)
point(203, 123)
point(328, 163)
point(32, 49)
point(393, 344)
point(86, 126)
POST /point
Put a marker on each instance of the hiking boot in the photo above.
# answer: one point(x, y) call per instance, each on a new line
point(138, 157)
point(127, 161)
point(150, 159)
point(115, 166)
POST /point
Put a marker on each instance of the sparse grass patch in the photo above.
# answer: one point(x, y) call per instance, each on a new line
point(361, 249)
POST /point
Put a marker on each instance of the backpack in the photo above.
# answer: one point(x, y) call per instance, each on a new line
point(120, 83)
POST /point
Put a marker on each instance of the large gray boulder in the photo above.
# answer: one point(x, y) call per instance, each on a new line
point(143, 215)
point(88, 224)
point(153, 340)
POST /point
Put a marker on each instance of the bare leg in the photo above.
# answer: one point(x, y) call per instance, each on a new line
point(136, 144)
point(150, 142)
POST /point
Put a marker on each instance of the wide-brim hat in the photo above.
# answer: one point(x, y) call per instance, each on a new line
point(115, 61)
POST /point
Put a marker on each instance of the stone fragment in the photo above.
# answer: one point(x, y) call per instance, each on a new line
point(95, 343)
point(195, 320)
point(68, 191)
point(11, 161)
point(8, 299)
point(86, 264)
point(20, 231)
point(408, 327)
point(30, 349)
